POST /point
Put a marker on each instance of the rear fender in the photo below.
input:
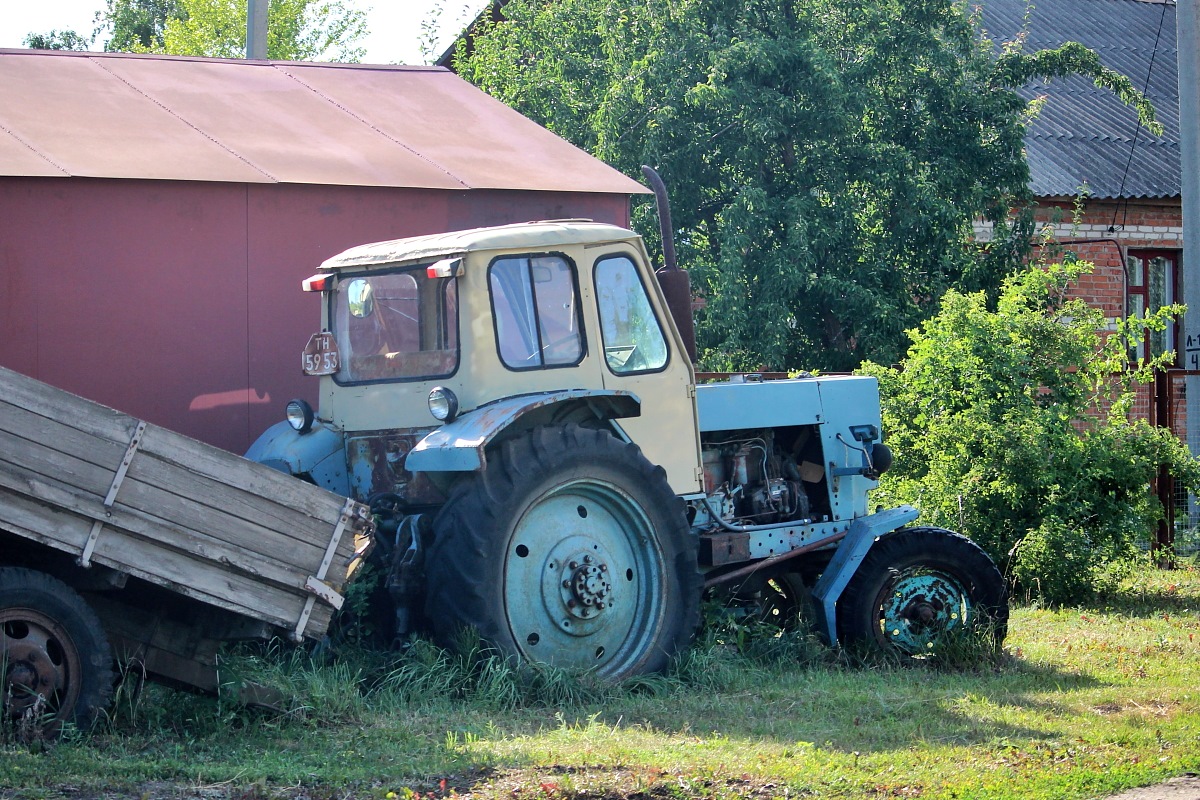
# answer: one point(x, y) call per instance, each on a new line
point(460, 446)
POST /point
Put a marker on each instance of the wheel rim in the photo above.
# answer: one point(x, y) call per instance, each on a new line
point(584, 579)
point(40, 663)
point(918, 607)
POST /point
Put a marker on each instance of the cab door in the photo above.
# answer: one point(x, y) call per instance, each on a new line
point(642, 353)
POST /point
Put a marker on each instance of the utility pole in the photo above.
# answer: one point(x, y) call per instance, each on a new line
point(1187, 38)
point(256, 30)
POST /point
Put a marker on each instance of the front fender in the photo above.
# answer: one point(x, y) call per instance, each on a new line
point(320, 454)
point(459, 446)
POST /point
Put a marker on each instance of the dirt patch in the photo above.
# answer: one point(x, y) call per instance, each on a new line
point(1184, 788)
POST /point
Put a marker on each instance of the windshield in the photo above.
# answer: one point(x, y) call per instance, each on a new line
point(396, 325)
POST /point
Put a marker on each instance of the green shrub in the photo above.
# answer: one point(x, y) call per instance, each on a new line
point(1012, 425)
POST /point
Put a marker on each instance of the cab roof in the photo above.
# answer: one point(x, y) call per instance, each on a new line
point(520, 236)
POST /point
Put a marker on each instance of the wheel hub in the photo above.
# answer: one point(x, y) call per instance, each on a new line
point(35, 664)
point(921, 608)
point(577, 586)
point(587, 591)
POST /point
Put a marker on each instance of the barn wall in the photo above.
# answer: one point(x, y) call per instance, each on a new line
point(180, 302)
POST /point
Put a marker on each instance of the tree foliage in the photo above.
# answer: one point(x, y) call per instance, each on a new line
point(56, 40)
point(297, 30)
point(1013, 426)
point(826, 159)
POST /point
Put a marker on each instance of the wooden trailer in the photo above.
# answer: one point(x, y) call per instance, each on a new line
point(122, 540)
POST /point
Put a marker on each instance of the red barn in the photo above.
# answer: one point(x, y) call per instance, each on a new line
point(158, 214)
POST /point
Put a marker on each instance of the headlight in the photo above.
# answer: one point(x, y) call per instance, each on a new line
point(300, 416)
point(443, 404)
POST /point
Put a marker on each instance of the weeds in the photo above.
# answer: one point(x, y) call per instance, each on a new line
point(1085, 701)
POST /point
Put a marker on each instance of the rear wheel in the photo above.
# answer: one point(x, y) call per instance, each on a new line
point(55, 660)
point(919, 588)
point(569, 549)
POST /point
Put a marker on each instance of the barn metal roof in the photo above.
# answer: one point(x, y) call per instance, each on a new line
point(107, 115)
point(1084, 134)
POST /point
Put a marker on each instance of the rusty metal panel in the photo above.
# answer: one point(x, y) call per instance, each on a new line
point(472, 135)
point(172, 118)
point(80, 117)
point(262, 116)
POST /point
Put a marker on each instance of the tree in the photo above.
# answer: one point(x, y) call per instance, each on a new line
point(298, 30)
point(136, 26)
point(1013, 426)
point(56, 40)
point(826, 159)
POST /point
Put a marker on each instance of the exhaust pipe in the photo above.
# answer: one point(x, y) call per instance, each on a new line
point(675, 283)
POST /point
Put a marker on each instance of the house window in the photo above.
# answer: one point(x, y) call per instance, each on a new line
point(1153, 277)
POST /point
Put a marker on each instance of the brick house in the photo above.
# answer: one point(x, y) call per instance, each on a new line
point(1085, 139)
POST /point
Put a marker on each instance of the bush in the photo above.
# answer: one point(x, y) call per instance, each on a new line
point(1012, 425)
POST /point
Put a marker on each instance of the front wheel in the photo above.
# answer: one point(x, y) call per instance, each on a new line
point(918, 588)
point(55, 662)
point(569, 549)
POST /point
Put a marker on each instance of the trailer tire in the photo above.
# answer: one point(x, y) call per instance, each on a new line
point(915, 588)
point(570, 549)
point(52, 645)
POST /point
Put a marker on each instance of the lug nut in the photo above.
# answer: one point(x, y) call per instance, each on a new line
point(587, 559)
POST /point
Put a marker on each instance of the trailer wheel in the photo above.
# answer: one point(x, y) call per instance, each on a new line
point(570, 549)
point(920, 588)
point(54, 657)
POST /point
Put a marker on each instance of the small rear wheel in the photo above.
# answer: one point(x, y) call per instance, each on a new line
point(55, 662)
point(569, 549)
point(918, 589)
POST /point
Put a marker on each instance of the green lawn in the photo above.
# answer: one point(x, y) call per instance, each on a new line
point(1084, 702)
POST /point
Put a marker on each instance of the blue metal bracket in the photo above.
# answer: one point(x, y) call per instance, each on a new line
point(863, 533)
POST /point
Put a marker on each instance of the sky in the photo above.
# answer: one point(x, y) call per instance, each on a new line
point(394, 26)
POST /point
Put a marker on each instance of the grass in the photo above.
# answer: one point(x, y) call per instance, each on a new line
point(1084, 702)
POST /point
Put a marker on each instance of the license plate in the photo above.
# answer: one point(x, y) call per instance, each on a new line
point(321, 356)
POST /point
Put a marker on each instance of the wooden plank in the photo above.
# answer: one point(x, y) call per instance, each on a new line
point(261, 481)
point(27, 437)
point(48, 401)
point(238, 526)
point(222, 556)
point(199, 578)
point(165, 518)
point(274, 511)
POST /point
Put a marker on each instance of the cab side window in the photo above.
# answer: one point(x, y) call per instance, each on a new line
point(633, 338)
point(535, 305)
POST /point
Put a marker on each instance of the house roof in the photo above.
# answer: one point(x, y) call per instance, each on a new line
point(1083, 133)
point(107, 115)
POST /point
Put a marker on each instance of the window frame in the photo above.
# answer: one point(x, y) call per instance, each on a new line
point(662, 330)
point(1175, 329)
point(537, 317)
point(420, 270)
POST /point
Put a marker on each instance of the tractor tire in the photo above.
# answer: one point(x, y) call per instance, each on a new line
point(55, 660)
point(919, 589)
point(569, 549)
